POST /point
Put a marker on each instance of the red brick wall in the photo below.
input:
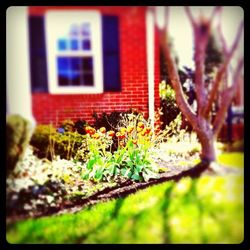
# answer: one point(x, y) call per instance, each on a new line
point(55, 108)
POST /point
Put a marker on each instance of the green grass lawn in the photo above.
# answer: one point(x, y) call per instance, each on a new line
point(205, 210)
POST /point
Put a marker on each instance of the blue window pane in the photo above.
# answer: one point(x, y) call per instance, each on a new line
point(62, 44)
point(75, 63)
point(72, 75)
point(69, 78)
point(88, 79)
point(74, 44)
point(87, 64)
point(63, 79)
point(76, 79)
point(62, 63)
point(85, 29)
point(86, 45)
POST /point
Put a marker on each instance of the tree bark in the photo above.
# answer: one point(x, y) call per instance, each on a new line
point(207, 146)
point(206, 130)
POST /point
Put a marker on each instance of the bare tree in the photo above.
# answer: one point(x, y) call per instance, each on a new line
point(207, 129)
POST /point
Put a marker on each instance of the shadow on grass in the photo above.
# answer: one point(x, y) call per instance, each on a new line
point(103, 223)
point(166, 232)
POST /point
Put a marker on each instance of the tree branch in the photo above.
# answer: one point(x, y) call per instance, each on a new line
point(175, 81)
point(221, 36)
point(190, 16)
point(201, 32)
point(227, 98)
point(216, 10)
point(222, 71)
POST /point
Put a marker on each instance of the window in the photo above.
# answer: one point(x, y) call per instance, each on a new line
point(74, 52)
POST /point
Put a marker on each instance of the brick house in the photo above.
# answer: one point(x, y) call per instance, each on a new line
point(80, 60)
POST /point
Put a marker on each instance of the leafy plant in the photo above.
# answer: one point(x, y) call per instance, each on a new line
point(133, 158)
point(49, 143)
point(100, 164)
point(168, 103)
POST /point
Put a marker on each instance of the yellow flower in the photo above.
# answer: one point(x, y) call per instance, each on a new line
point(111, 133)
point(123, 130)
point(120, 135)
point(139, 129)
point(103, 130)
point(148, 130)
point(90, 130)
point(95, 136)
point(134, 141)
point(140, 125)
point(130, 129)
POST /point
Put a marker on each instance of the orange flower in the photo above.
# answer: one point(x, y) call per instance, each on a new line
point(134, 141)
point(130, 129)
point(95, 136)
point(111, 133)
point(120, 135)
point(103, 130)
point(90, 130)
point(140, 125)
point(157, 130)
point(148, 129)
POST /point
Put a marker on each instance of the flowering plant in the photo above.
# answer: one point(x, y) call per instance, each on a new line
point(133, 159)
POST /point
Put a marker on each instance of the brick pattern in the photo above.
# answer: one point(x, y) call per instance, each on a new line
point(53, 109)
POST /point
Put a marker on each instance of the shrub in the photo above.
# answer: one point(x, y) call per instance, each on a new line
point(48, 143)
point(168, 103)
point(41, 140)
point(18, 132)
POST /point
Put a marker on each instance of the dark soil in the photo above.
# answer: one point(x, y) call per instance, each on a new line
point(123, 189)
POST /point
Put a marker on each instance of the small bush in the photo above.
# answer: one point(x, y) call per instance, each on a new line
point(17, 138)
point(168, 103)
point(40, 140)
point(48, 143)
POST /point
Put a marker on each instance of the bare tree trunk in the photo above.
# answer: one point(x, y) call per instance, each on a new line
point(207, 141)
point(206, 138)
point(207, 131)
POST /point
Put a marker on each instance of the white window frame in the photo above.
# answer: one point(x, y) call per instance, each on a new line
point(58, 23)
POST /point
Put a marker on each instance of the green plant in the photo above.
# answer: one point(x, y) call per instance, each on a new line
point(40, 141)
point(133, 159)
point(68, 125)
point(18, 132)
point(100, 164)
point(128, 160)
point(48, 143)
point(168, 103)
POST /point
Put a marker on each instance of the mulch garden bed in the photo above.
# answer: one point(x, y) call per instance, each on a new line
point(121, 189)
